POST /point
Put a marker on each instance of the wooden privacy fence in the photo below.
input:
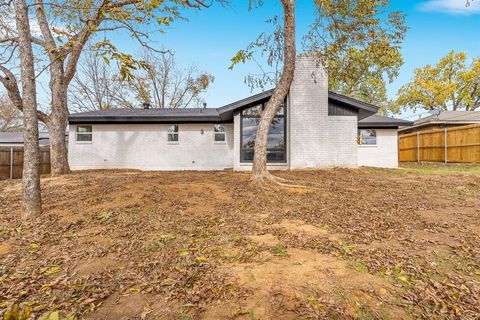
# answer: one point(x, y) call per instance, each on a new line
point(454, 144)
point(11, 162)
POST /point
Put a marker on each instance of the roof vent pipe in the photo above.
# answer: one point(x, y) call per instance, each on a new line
point(146, 105)
point(204, 105)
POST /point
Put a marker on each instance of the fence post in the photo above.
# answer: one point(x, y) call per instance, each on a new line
point(11, 162)
point(446, 146)
point(418, 146)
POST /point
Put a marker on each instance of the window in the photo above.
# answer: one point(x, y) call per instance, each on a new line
point(219, 132)
point(276, 147)
point(367, 137)
point(173, 133)
point(84, 134)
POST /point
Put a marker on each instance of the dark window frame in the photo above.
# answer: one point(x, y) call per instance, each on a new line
point(285, 128)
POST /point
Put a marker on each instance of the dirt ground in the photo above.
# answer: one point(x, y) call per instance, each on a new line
point(353, 244)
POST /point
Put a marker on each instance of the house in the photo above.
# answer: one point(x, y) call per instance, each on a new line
point(15, 139)
point(445, 119)
point(315, 128)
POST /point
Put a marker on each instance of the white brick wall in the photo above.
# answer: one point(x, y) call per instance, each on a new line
point(314, 139)
point(317, 140)
point(145, 146)
point(384, 154)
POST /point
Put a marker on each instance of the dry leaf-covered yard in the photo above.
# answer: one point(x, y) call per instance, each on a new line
point(363, 243)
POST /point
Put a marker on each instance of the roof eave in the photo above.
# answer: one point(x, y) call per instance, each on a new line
point(143, 120)
point(378, 125)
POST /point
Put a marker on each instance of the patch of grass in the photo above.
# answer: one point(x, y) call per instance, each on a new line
point(159, 241)
point(279, 251)
point(429, 169)
point(251, 315)
point(360, 267)
point(348, 248)
point(184, 316)
point(104, 215)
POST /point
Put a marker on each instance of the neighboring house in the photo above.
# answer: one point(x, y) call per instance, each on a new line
point(444, 119)
point(315, 128)
point(15, 139)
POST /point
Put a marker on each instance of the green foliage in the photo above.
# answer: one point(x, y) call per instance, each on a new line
point(81, 20)
point(279, 251)
point(251, 315)
point(104, 215)
point(127, 64)
point(241, 56)
point(360, 267)
point(451, 84)
point(359, 41)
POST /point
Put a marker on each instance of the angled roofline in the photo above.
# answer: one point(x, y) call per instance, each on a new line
point(351, 102)
point(226, 112)
point(379, 122)
point(229, 109)
point(223, 114)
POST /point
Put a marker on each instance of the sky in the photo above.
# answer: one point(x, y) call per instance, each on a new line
point(210, 38)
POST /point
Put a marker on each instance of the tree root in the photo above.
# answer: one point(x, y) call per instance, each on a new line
point(267, 181)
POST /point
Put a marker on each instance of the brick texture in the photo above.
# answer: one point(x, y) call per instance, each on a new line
point(316, 139)
point(145, 146)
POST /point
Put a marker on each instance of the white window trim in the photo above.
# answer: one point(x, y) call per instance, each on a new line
point(369, 145)
point(224, 135)
point(177, 133)
point(83, 142)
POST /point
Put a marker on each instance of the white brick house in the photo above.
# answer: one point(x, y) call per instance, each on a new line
point(315, 128)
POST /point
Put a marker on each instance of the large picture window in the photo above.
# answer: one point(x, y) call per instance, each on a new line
point(276, 141)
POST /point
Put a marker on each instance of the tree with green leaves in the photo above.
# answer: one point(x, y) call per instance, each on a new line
point(358, 42)
point(451, 84)
point(64, 29)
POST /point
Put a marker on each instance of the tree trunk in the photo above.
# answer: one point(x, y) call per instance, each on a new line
point(31, 197)
point(57, 121)
point(58, 146)
point(259, 170)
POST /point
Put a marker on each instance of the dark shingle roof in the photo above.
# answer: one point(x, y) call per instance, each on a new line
point(376, 121)
point(452, 117)
point(222, 114)
point(447, 118)
point(154, 115)
point(17, 138)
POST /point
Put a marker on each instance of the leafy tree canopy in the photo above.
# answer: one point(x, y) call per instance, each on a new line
point(359, 42)
point(451, 84)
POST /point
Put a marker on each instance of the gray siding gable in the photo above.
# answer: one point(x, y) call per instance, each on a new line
point(337, 109)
